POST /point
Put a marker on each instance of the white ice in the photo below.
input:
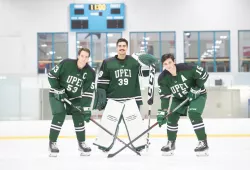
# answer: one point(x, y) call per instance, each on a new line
point(224, 153)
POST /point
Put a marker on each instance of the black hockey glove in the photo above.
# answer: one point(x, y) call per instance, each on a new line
point(100, 99)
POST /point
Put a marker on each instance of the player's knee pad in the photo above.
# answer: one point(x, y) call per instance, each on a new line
point(133, 122)
point(57, 121)
point(172, 123)
point(60, 116)
point(173, 119)
point(195, 117)
point(78, 120)
point(110, 120)
point(79, 126)
point(197, 123)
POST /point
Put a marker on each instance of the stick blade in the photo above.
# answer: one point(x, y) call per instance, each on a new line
point(111, 155)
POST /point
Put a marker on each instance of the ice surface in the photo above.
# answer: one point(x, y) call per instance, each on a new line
point(32, 154)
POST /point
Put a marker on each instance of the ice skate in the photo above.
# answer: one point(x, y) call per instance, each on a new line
point(84, 149)
point(147, 146)
point(202, 148)
point(53, 149)
point(168, 150)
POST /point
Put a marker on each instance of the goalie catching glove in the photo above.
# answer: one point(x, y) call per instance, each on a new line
point(145, 59)
point(100, 99)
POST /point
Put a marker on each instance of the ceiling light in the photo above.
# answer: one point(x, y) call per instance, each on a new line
point(110, 35)
point(218, 41)
point(44, 45)
point(111, 44)
point(223, 37)
point(216, 46)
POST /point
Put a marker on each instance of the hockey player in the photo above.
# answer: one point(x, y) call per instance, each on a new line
point(73, 80)
point(118, 82)
point(179, 81)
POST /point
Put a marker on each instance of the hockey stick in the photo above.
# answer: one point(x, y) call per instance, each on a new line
point(103, 128)
point(151, 127)
point(150, 96)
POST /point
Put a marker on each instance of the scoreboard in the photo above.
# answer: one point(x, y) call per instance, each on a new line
point(97, 17)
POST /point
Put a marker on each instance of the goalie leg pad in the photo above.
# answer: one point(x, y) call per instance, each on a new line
point(134, 123)
point(110, 120)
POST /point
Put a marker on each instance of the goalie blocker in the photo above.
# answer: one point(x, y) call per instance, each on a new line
point(113, 114)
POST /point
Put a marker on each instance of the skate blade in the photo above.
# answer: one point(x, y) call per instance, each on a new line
point(202, 154)
point(147, 147)
point(53, 155)
point(84, 153)
point(104, 152)
point(170, 153)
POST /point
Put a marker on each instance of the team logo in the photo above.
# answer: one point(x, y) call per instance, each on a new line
point(151, 84)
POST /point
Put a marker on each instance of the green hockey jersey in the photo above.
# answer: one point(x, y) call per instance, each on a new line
point(179, 85)
point(78, 83)
point(120, 79)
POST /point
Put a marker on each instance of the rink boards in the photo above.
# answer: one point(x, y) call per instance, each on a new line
point(15, 130)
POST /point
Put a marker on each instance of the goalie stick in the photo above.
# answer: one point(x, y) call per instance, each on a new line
point(151, 127)
point(103, 128)
point(150, 96)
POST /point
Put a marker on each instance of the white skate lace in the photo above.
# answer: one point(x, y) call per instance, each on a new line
point(169, 144)
point(84, 145)
point(201, 144)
